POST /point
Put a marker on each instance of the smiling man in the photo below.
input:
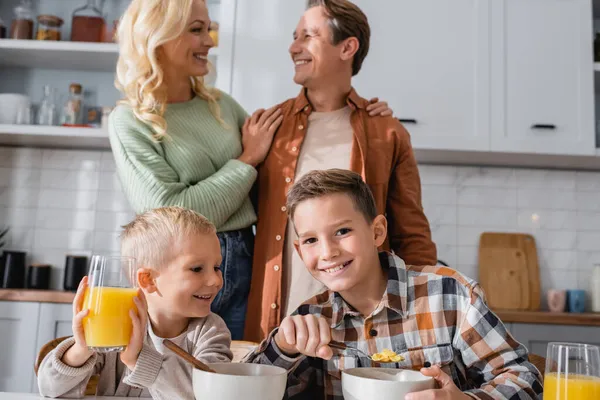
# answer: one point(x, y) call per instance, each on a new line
point(328, 126)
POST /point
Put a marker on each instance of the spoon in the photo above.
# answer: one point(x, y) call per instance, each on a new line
point(344, 346)
point(187, 357)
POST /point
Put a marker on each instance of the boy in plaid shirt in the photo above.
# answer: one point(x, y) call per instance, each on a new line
point(434, 317)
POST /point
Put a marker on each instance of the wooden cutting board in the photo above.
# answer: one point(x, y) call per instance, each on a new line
point(509, 271)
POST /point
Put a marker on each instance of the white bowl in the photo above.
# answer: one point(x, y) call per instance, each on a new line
point(236, 381)
point(10, 104)
point(383, 383)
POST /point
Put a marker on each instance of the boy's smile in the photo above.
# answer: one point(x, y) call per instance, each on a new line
point(339, 246)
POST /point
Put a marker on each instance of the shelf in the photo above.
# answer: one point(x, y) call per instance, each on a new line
point(544, 317)
point(53, 136)
point(516, 160)
point(41, 296)
point(62, 55)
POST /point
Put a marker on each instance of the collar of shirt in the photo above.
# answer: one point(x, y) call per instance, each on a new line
point(353, 101)
point(394, 297)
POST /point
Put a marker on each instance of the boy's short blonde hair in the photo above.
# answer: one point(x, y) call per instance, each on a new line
point(151, 238)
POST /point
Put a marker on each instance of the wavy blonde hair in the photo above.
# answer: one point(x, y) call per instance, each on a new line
point(144, 27)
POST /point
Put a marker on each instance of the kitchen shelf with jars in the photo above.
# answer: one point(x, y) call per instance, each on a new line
point(57, 68)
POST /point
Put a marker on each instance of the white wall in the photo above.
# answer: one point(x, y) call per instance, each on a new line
point(59, 202)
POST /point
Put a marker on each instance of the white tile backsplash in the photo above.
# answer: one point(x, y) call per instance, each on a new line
point(487, 197)
point(551, 199)
point(48, 218)
point(545, 179)
point(20, 177)
point(71, 160)
point(20, 157)
point(68, 199)
point(481, 176)
point(59, 202)
point(63, 239)
point(70, 180)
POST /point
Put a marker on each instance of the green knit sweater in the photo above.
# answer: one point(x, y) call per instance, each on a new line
point(195, 167)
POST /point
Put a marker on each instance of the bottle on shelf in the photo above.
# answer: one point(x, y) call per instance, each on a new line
point(73, 110)
point(22, 24)
point(87, 24)
point(47, 111)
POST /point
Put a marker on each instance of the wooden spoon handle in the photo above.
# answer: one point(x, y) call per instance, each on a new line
point(186, 356)
point(337, 345)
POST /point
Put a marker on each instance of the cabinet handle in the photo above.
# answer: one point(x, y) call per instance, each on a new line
point(407, 120)
point(543, 126)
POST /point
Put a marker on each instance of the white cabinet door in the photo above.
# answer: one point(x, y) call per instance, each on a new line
point(18, 332)
point(542, 76)
point(430, 60)
point(536, 337)
point(54, 322)
point(224, 13)
point(262, 68)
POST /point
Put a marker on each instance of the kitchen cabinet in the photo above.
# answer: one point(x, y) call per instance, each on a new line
point(537, 336)
point(542, 77)
point(430, 60)
point(433, 71)
point(55, 320)
point(476, 81)
point(18, 330)
point(263, 70)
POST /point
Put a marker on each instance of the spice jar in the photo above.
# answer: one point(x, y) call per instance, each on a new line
point(22, 24)
point(73, 110)
point(48, 27)
point(87, 24)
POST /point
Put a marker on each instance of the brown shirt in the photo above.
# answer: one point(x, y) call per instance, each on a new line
point(381, 153)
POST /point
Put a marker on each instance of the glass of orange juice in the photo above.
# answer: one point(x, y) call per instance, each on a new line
point(572, 372)
point(112, 285)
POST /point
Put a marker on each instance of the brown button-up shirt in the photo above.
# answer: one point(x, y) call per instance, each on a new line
point(381, 153)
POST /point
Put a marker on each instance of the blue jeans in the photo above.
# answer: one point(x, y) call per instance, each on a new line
point(231, 302)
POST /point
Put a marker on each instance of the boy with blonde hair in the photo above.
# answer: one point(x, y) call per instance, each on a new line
point(178, 256)
point(434, 318)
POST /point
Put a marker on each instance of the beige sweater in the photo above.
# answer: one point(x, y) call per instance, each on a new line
point(158, 373)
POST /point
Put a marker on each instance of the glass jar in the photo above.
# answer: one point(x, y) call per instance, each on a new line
point(87, 24)
point(73, 110)
point(22, 24)
point(47, 110)
point(48, 27)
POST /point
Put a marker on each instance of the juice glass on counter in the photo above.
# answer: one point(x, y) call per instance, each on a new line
point(572, 372)
point(109, 297)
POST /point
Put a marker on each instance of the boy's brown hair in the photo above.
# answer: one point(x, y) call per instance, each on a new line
point(347, 20)
point(319, 183)
point(152, 237)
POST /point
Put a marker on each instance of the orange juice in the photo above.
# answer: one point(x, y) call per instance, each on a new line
point(571, 387)
point(108, 323)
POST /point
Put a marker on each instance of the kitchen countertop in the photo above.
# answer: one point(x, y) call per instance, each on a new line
point(523, 317)
point(41, 296)
point(546, 317)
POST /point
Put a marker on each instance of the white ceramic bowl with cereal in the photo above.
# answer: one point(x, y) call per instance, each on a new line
point(383, 383)
point(237, 381)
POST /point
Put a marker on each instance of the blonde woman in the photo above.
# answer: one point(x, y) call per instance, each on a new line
point(178, 143)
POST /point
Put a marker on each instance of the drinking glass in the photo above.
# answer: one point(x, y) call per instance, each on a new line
point(109, 297)
point(572, 372)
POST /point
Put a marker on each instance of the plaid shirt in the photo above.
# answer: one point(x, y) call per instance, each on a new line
point(427, 314)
